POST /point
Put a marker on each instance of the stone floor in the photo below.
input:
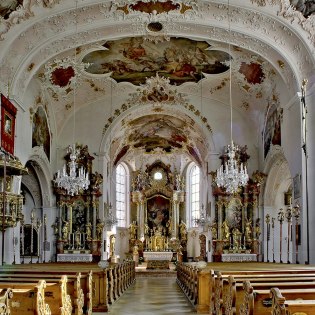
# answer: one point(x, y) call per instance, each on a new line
point(152, 296)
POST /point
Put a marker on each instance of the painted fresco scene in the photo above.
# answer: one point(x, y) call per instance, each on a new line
point(134, 59)
point(272, 132)
point(41, 135)
point(161, 131)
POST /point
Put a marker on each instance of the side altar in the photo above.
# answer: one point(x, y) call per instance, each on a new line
point(78, 228)
point(236, 228)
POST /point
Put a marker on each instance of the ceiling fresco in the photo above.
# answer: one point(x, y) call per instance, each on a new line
point(134, 59)
point(306, 7)
point(161, 131)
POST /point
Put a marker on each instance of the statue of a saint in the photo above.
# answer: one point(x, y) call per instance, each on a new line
point(112, 245)
point(225, 231)
point(99, 229)
point(214, 230)
point(257, 229)
point(88, 231)
point(183, 230)
point(133, 230)
point(65, 230)
point(77, 239)
point(248, 230)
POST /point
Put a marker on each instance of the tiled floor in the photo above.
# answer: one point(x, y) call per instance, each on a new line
point(152, 296)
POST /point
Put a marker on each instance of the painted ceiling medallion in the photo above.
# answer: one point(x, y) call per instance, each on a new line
point(253, 72)
point(62, 74)
point(135, 59)
point(150, 7)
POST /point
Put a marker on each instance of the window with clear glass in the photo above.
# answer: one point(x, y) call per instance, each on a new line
point(194, 194)
point(121, 176)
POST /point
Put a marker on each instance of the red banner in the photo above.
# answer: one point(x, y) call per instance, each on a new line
point(8, 115)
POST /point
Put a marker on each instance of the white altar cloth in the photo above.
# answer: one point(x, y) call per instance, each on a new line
point(157, 256)
point(74, 257)
point(238, 257)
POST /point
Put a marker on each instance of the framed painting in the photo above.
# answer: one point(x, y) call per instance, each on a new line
point(297, 186)
point(8, 114)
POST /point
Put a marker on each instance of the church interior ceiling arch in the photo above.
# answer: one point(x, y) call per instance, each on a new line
point(120, 45)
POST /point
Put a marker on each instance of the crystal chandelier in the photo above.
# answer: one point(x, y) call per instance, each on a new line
point(233, 174)
point(204, 219)
point(77, 179)
point(110, 219)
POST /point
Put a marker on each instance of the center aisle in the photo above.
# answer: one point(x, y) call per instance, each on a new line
point(152, 296)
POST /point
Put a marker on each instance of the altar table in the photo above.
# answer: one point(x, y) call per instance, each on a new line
point(74, 257)
point(157, 256)
point(238, 257)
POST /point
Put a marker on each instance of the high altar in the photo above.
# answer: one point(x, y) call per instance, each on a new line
point(236, 228)
point(155, 230)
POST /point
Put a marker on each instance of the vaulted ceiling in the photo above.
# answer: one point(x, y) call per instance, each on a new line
point(119, 54)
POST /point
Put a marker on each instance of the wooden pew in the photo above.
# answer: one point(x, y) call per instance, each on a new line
point(282, 306)
point(5, 296)
point(259, 302)
point(227, 294)
point(29, 299)
point(100, 284)
point(79, 287)
point(24, 302)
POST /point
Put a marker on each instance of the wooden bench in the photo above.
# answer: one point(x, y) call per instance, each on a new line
point(30, 298)
point(5, 296)
point(227, 293)
point(283, 306)
point(107, 284)
point(79, 287)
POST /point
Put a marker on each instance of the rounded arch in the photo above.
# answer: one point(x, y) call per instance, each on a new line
point(40, 163)
point(279, 177)
point(120, 128)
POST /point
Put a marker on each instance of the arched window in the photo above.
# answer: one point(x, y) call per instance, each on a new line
point(194, 190)
point(121, 194)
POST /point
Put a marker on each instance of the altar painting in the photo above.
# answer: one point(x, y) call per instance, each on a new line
point(272, 131)
point(41, 134)
point(158, 208)
point(135, 59)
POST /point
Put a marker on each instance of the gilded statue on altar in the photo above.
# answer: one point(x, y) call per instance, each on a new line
point(225, 230)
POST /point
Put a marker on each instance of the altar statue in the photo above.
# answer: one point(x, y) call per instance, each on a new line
point(88, 231)
point(225, 230)
point(112, 240)
point(248, 230)
point(183, 230)
point(257, 229)
point(236, 238)
point(77, 239)
point(65, 230)
point(133, 230)
point(99, 229)
point(214, 230)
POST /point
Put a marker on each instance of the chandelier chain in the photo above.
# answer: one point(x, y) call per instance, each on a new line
point(232, 174)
